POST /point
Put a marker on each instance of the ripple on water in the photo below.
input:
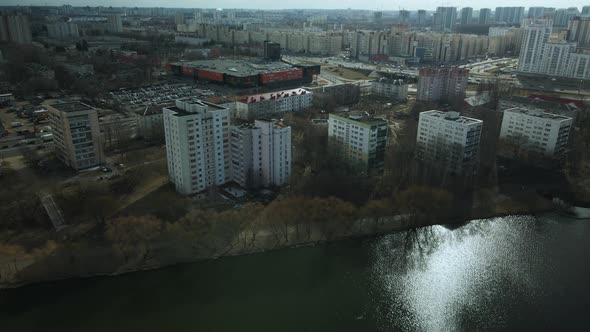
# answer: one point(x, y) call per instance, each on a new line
point(435, 279)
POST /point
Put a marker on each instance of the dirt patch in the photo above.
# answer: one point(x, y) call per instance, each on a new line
point(346, 73)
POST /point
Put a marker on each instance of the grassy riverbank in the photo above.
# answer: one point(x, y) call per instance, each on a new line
point(149, 244)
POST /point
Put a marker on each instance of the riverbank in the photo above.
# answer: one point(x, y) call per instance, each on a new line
point(97, 257)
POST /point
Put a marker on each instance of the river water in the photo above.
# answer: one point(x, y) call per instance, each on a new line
point(512, 273)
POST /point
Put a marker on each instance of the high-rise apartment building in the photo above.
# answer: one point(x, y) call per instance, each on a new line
point(446, 84)
point(115, 23)
point(449, 140)
point(272, 51)
point(536, 12)
point(76, 134)
point(445, 18)
point(485, 16)
point(466, 15)
point(395, 89)
point(360, 139)
point(260, 153)
point(536, 35)
point(556, 56)
point(404, 16)
point(562, 16)
point(579, 30)
point(197, 145)
point(539, 132)
point(421, 17)
point(62, 30)
point(510, 15)
point(585, 10)
point(15, 29)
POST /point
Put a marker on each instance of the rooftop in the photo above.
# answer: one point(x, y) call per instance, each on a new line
point(194, 101)
point(71, 107)
point(153, 110)
point(538, 114)
point(276, 123)
point(362, 117)
point(274, 95)
point(237, 67)
point(394, 81)
point(450, 116)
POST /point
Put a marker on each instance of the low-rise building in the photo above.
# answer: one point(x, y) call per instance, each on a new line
point(395, 89)
point(7, 99)
point(273, 104)
point(76, 134)
point(150, 122)
point(449, 140)
point(538, 132)
point(360, 139)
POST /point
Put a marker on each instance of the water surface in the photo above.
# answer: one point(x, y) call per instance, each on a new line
point(513, 273)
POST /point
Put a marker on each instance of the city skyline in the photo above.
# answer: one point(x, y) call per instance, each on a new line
point(304, 4)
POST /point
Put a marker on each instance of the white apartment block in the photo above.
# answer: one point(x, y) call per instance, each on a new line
point(395, 89)
point(539, 55)
point(114, 23)
point(449, 140)
point(197, 145)
point(150, 122)
point(536, 131)
point(447, 84)
point(272, 104)
point(62, 30)
point(578, 65)
point(76, 134)
point(536, 35)
point(260, 153)
point(556, 56)
point(15, 28)
point(360, 138)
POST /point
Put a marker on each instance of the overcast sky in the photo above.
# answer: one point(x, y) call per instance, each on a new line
point(311, 4)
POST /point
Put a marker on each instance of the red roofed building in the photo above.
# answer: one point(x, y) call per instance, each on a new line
point(274, 103)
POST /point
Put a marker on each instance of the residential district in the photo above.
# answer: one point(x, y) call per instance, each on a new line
point(114, 113)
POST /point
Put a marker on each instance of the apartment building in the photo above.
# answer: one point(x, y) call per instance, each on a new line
point(76, 134)
point(15, 29)
point(62, 30)
point(445, 18)
point(360, 138)
point(446, 84)
point(260, 153)
point(539, 132)
point(536, 35)
point(271, 104)
point(466, 15)
point(485, 16)
point(510, 15)
point(540, 55)
point(394, 89)
point(197, 145)
point(150, 122)
point(449, 140)
point(579, 30)
point(114, 23)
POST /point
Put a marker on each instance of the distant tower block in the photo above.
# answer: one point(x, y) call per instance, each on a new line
point(272, 51)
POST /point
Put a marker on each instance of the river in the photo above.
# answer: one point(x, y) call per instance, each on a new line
point(512, 273)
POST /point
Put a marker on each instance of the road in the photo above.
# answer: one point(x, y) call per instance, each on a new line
point(17, 150)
